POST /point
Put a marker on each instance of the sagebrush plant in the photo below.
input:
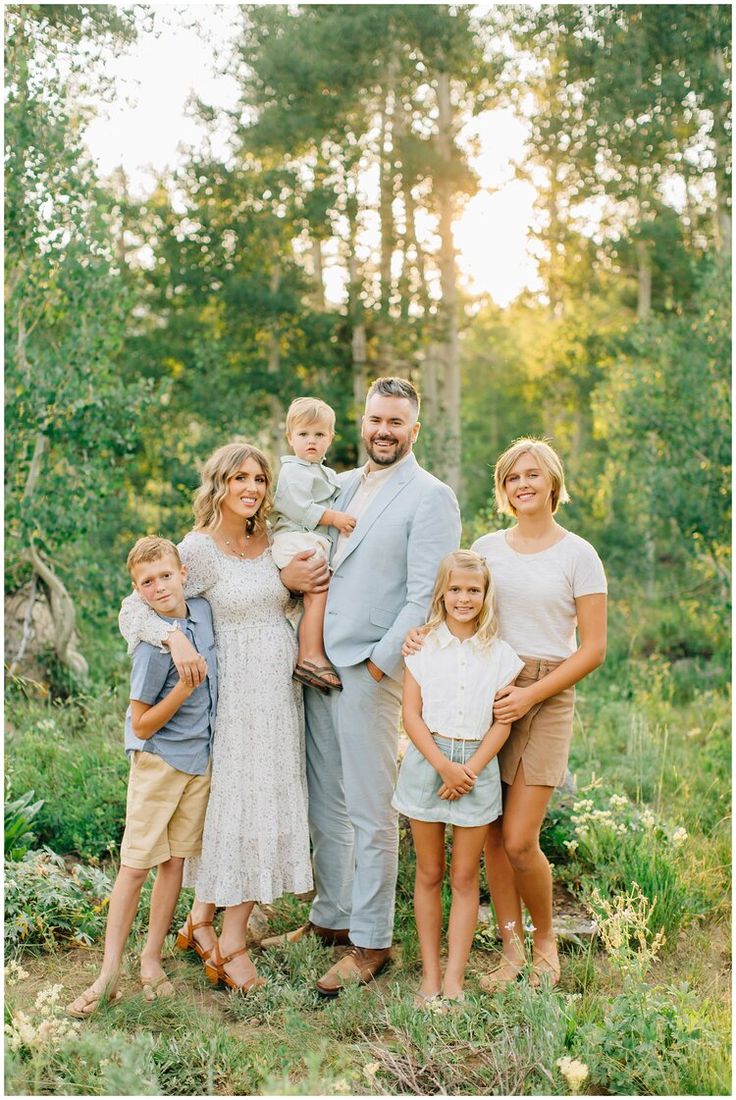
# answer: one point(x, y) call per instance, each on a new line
point(84, 1063)
point(46, 905)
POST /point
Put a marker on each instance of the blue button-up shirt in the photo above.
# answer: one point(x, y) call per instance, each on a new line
point(184, 742)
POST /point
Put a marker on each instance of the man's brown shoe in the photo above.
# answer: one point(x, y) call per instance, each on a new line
point(331, 937)
point(359, 964)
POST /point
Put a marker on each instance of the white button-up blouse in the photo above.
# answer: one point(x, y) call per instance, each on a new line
point(459, 681)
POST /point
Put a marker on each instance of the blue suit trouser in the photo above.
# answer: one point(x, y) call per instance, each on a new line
point(352, 747)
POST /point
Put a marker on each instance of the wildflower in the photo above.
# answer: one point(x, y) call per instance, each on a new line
point(648, 819)
point(370, 1069)
point(14, 973)
point(529, 927)
point(571, 845)
point(510, 925)
point(618, 801)
point(573, 1071)
point(679, 836)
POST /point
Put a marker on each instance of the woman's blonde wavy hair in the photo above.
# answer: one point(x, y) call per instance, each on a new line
point(217, 470)
point(487, 619)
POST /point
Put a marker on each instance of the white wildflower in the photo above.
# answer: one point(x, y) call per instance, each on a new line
point(14, 973)
point(573, 1071)
point(618, 801)
point(510, 925)
point(571, 845)
point(648, 819)
point(680, 835)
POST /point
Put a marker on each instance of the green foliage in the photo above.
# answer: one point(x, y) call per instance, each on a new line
point(45, 905)
point(650, 1041)
point(85, 1065)
point(19, 815)
point(608, 841)
point(71, 754)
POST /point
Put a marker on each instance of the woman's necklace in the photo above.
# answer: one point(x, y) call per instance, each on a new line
point(232, 547)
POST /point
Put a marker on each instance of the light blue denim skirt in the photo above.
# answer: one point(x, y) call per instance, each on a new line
point(416, 790)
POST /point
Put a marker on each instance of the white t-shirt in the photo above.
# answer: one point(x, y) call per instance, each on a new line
point(459, 681)
point(536, 593)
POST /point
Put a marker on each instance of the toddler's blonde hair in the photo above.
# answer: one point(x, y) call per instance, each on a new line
point(309, 410)
point(487, 619)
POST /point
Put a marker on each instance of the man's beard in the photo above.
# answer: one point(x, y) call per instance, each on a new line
point(385, 458)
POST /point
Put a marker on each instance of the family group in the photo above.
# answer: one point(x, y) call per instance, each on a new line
point(263, 759)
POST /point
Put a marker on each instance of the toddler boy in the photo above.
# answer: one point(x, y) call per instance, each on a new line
point(168, 732)
point(306, 488)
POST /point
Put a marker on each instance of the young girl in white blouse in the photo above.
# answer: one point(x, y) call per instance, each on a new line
point(450, 774)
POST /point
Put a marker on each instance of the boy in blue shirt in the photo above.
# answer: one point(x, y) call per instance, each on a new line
point(168, 733)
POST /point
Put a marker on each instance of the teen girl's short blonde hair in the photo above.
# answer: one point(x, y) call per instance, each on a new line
point(487, 619)
point(216, 472)
point(151, 548)
point(548, 460)
point(309, 410)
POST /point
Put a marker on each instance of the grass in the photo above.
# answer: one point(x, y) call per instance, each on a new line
point(660, 1025)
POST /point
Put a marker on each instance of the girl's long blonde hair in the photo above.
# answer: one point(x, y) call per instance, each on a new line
point(487, 619)
point(217, 470)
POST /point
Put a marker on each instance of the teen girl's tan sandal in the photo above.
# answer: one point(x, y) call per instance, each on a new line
point(506, 973)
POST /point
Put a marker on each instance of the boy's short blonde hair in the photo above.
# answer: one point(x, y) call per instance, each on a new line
point(151, 548)
point(309, 410)
point(548, 460)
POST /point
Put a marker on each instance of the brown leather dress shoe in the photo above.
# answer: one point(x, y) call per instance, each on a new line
point(331, 937)
point(359, 964)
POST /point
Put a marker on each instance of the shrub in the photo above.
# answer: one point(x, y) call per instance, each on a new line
point(19, 815)
point(45, 904)
point(49, 1055)
point(612, 842)
point(71, 755)
point(647, 1041)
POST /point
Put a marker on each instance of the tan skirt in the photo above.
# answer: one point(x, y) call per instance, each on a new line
point(540, 741)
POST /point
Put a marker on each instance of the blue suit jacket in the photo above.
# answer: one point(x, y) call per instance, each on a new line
point(383, 584)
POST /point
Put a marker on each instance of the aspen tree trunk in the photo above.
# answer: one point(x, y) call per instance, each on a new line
point(644, 281)
point(275, 427)
point(355, 306)
point(386, 196)
point(318, 274)
point(450, 374)
point(722, 144)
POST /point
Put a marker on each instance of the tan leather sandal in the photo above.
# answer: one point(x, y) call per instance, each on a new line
point(185, 940)
point(506, 973)
point(214, 969)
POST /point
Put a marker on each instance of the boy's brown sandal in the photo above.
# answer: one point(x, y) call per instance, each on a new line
point(359, 964)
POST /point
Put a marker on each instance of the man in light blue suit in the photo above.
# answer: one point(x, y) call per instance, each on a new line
point(382, 579)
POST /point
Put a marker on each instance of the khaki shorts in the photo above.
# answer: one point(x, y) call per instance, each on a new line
point(164, 814)
point(288, 543)
point(540, 741)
